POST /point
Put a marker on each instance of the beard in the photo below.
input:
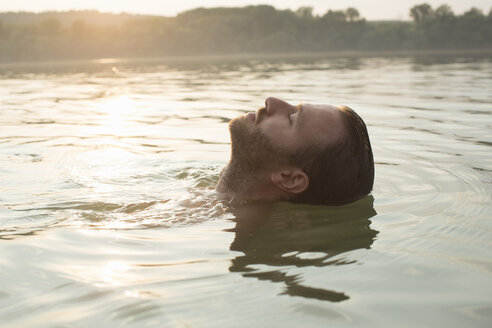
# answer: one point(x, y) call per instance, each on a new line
point(252, 155)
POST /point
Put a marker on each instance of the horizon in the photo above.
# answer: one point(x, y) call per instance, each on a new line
point(372, 11)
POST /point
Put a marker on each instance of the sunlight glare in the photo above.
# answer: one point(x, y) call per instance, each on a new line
point(113, 272)
point(115, 113)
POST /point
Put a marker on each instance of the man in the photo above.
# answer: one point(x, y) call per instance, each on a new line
point(314, 154)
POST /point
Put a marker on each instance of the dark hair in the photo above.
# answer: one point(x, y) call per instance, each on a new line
point(339, 173)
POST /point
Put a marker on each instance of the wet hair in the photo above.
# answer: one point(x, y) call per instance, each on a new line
point(342, 172)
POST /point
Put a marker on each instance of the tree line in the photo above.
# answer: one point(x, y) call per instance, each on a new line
point(247, 30)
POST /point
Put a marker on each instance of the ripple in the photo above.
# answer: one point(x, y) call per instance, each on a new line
point(107, 197)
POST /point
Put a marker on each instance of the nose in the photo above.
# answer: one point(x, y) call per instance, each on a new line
point(274, 105)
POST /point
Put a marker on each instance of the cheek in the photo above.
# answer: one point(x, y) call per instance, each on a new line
point(279, 134)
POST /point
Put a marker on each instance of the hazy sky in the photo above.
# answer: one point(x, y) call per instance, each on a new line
point(370, 9)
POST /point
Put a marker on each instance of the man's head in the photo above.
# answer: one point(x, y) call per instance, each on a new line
point(315, 154)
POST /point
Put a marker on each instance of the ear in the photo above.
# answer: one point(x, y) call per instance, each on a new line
point(292, 180)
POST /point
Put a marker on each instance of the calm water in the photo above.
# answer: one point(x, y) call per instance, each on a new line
point(108, 216)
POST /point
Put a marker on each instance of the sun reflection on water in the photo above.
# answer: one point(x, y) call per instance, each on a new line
point(113, 272)
point(131, 293)
point(115, 116)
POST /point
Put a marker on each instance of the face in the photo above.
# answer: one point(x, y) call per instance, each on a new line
point(286, 129)
point(252, 151)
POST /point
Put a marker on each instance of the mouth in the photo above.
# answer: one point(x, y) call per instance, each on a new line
point(251, 116)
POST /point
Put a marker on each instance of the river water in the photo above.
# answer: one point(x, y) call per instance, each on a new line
point(108, 216)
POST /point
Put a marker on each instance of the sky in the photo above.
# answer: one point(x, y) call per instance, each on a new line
point(369, 9)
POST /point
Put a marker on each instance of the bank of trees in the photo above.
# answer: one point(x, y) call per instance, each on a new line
point(252, 29)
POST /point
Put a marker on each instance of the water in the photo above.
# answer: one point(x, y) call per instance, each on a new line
point(108, 215)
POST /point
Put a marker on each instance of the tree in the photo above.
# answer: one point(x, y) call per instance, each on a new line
point(444, 11)
point(474, 13)
point(50, 26)
point(352, 14)
point(421, 13)
point(335, 16)
point(78, 28)
point(305, 12)
point(472, 29)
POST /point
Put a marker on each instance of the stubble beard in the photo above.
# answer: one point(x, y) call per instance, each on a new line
point(252, 155)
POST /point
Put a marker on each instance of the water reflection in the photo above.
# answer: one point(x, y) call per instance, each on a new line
point(292, 235)
point(121, 154)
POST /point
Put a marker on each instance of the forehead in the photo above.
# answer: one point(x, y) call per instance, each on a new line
point(320, 123)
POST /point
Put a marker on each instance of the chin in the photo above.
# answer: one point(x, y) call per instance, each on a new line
point(235, 121)
point(239, 126)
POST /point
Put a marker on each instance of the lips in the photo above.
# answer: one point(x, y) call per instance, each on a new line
point(251, 116)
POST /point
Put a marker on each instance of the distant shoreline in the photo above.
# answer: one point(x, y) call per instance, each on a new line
point(259, 31)
point(259, 56)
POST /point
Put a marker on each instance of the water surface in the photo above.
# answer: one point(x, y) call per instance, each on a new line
point(108, 215)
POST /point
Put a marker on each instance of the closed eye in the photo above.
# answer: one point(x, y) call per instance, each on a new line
point(292, 118)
